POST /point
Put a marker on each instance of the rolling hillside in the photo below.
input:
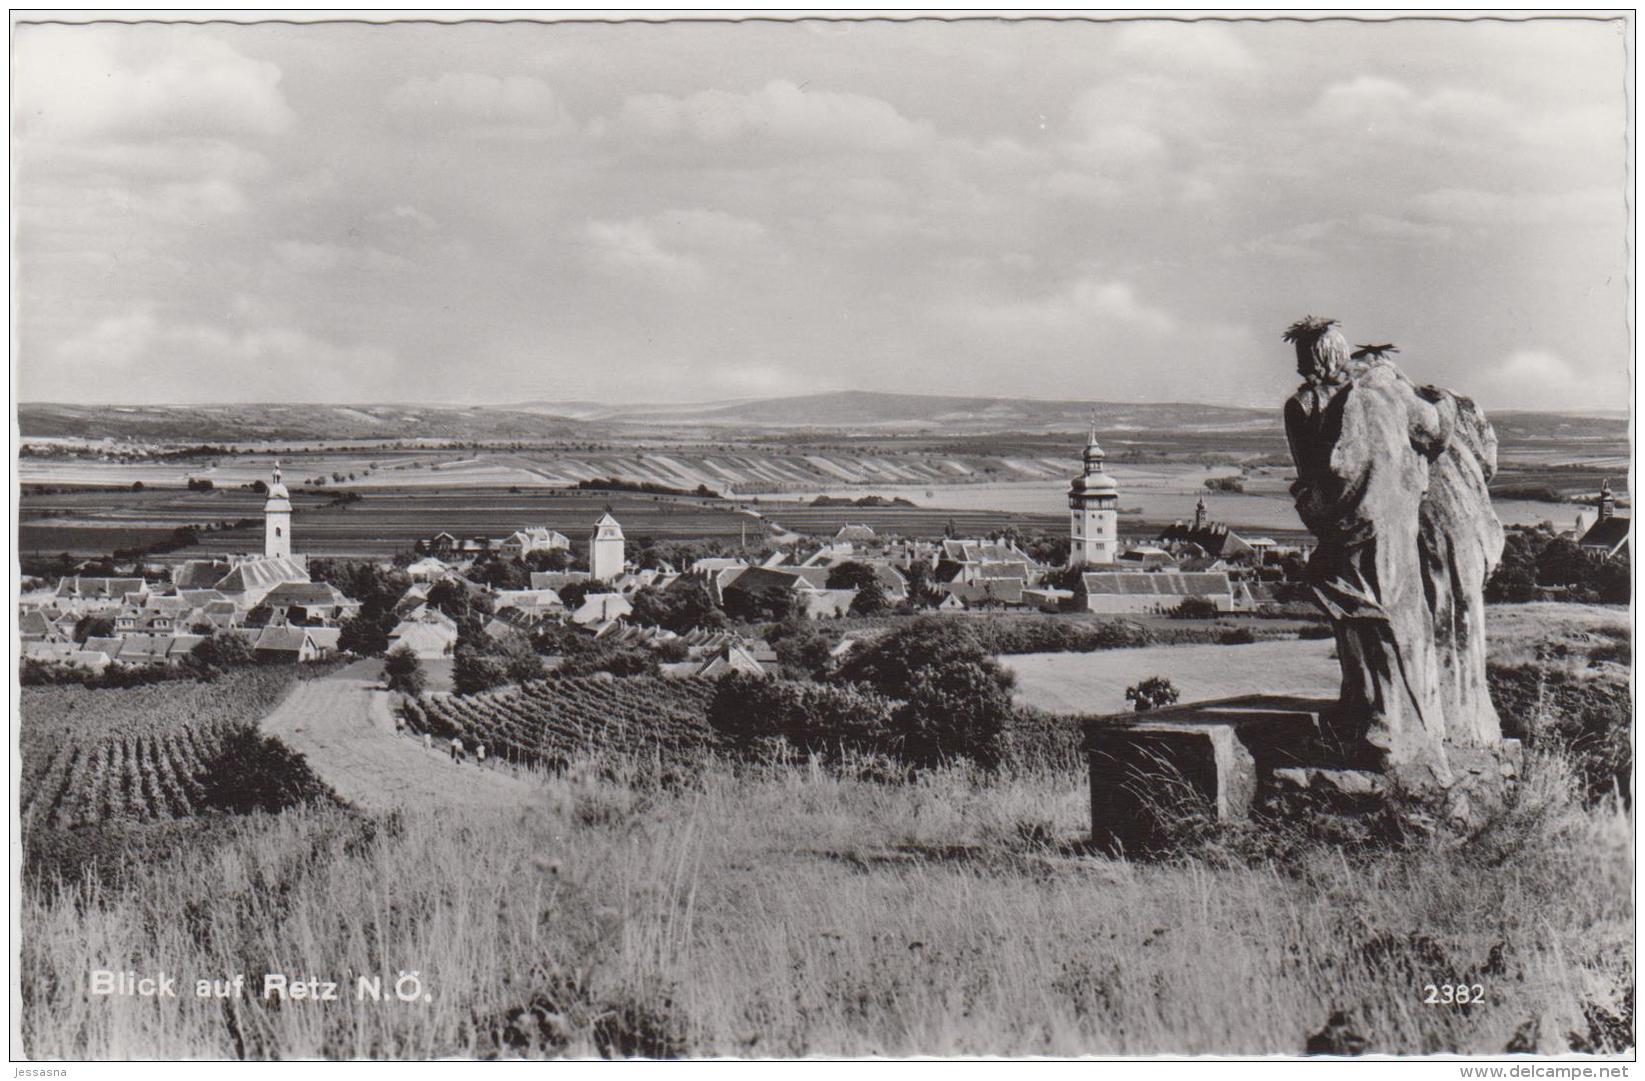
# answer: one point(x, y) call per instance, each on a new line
point(862, 412)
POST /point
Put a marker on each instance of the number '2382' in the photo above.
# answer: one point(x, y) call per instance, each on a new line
point(1452, 994)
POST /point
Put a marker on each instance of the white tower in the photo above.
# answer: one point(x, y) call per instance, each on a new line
point(605, 551)
point(1093, 503)
point(277, 519)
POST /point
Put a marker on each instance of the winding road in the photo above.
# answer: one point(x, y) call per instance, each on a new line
point(343, 725)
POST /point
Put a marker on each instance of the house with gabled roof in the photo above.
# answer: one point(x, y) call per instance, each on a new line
point(523, 542)
point(308, 602)
point(288, 644)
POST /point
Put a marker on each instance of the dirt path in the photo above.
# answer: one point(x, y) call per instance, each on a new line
point(343, 725)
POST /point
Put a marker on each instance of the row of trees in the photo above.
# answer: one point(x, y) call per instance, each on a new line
point(1538, 565)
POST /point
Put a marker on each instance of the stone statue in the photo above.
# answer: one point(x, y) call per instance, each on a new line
point(1391, 480)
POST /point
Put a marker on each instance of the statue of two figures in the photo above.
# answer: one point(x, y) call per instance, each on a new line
point(1391, 480)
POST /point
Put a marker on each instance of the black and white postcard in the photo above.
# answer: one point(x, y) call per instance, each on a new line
point(691, 536)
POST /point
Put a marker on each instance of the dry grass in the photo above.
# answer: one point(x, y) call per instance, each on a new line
point(792, 912)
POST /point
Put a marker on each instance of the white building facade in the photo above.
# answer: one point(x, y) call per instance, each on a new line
point(277, 519)
point(605, 550)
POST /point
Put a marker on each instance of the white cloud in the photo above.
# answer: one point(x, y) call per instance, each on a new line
point(1495, 209)
point(79, 84)
point(1531, 379)
point(139, 356)
point(308, 257)
point(1087, 305)
point(632, 248)
point(678, 248)
point(779, 112)
point(489, 105)
point(1202, 47)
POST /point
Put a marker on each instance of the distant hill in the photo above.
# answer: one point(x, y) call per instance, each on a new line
point(865, 412)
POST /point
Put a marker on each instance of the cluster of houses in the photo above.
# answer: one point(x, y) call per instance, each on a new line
point(273, 604)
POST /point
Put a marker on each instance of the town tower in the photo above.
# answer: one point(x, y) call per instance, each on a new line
point(605, 550)
point(1093, 503)
point(277, 519)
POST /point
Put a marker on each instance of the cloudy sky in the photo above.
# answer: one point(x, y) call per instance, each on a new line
point(1123, 211)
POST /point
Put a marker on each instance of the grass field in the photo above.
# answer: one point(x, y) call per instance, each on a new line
point(1096, 682)
point(759, 910)
point(795, 913)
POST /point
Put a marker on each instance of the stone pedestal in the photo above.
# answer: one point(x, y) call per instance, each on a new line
point(1222, 759)
point(1209, 758)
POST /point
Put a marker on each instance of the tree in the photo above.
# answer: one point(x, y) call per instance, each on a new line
point(365, 635)
point(404, 671)
point(473, 670)
point(767, 604)
point(1614, 580)
point(137, 486)
point(804, 654)
point(1151, 693)
point(503, 574)
point(90, 626)
point(1562, 562)
point(851, 575)
point(870, 599)
point(920, 588)
point(225, 651)
point(955, 698)
point(572, 594)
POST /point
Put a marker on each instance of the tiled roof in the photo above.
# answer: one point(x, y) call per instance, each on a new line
point(1607, 534)
point(262, 574)
point(78, 586)
point(1168, 585)
point(306, 593)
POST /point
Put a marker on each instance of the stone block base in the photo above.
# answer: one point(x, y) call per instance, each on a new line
point(1223, 759)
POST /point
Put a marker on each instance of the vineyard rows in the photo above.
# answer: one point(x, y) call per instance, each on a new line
point(549, 721)
point(102, 756)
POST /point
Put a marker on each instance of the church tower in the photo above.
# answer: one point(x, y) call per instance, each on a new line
point(1093, 503)
point(605, 551)
point(277, 519)
point(1607, 501)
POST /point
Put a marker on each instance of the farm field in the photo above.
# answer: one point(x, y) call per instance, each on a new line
point(139, 754)
point(1096, 682)
point(553, 721)
point(391, 520)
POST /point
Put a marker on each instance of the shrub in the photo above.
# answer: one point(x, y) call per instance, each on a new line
point(955, 698)
point(473, 671)
point(812, 717)
point(1151, 693)
point(586, 657)
point(404, 671)
point(1195, 608)
point(1586, 718)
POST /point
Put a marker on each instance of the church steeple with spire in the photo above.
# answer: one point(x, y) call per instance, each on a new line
point(277, 519)
point(1093, 504)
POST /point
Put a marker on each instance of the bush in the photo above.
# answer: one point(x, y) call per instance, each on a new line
point(1587, 719)
point(1195, 608)
point(812, 717)
point(473, 671)
point(955, 698)
point(1055, 634)
point(587, 656)
point(404, 672)
point(1151, 693)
